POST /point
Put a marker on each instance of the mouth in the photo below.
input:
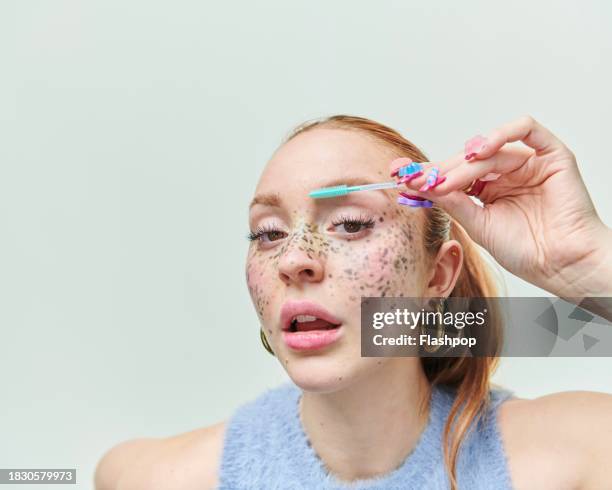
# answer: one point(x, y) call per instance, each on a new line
point(307, 325)
point(304, 316)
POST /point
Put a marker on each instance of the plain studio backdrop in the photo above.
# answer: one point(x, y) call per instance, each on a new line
point(132, 136)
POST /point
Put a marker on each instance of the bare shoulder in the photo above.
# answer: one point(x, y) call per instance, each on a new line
point(187, 460)
point(559, 440)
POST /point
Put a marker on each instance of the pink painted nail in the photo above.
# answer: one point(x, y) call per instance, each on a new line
point(474, 146)
point(439, 181)
point(410, 196)
point(432, 177)
point(432, 180)
point(408, 178)
point(398, 163)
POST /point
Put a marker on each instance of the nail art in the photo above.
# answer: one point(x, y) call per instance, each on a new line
point(474, 146)
point(408, 178)
point(432, 179)
point(399, 163)
point(410, 169)
point(414, 203)
point(410, 196)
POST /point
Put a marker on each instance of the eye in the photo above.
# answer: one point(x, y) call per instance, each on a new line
point(266, 234)
point(353, 224)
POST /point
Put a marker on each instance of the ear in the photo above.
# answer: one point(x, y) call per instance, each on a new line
point(446, 269)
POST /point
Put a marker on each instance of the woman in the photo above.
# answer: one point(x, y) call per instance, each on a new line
point(350, 421)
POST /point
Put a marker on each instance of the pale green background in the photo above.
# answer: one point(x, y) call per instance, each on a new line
point(131, 138)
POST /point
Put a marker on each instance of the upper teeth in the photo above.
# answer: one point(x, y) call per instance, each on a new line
point(305, 318)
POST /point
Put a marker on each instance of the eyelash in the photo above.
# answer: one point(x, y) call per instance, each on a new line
point(260, 231)
point(366, 222)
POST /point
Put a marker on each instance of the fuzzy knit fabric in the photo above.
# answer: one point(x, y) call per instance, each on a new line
point(265, 447)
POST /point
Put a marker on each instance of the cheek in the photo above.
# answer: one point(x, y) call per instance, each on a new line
point(386, 264)
point(257, 275)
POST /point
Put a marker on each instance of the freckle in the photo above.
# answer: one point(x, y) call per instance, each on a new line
point(379, 362)
point(329, 275)
point(340, 378)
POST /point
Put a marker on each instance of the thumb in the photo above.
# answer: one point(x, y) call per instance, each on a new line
point(466, 212)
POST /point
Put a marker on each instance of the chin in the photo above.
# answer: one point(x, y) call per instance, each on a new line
point(317, 373)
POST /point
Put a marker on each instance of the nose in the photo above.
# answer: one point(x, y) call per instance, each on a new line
point(298, 266)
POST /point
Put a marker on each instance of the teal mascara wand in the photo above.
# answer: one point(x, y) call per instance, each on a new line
point(342, 190)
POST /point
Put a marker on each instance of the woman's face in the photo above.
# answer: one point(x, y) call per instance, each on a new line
point(328, 251)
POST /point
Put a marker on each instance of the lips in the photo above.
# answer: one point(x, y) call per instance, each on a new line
point(306, 315)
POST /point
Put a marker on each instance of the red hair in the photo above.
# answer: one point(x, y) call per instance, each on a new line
point(470, 376)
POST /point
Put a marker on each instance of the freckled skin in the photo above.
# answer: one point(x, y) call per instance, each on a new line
point(386, 259)
point(383, 267)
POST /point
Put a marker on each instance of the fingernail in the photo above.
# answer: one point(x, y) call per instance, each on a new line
point(474, 146)
point(410, 169)
point(414, 203)
point(490, 176)
point(440, 180)
point(432, 178)
point(408, 178)
point(399, 163)
point(410, 196)
point(426, 187)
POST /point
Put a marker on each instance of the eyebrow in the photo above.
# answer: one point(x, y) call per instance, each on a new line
point(273, 199)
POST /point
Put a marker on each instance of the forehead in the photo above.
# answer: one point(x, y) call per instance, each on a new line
point(325, 157)
point(324, 154)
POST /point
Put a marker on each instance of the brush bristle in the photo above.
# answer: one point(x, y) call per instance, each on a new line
point(338, 190)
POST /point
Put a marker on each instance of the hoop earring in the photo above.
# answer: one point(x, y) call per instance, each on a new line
point(439, 327)
point(264, 341)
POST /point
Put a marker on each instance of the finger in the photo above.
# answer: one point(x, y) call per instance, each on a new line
point(503, 162)
point(443, 166)
point(525, 129)
point(463, 209)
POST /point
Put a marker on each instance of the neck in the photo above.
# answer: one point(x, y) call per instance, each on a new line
point(369, 428)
